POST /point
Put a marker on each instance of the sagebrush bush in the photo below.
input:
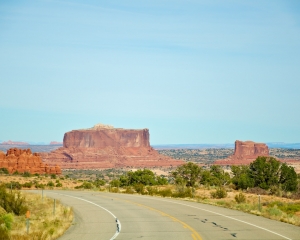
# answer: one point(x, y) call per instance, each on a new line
point(12, 202)
point(240, 198)
point(139, 188)
point(27, 184)
point(165, 192)
point(219, 193)
point(186, 192)
point(6, 220)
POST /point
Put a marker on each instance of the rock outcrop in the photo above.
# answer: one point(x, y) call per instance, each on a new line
point(106, 147)
point(22, 160)
point(245, 153)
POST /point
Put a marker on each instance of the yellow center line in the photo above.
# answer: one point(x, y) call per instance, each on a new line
point(195, 234)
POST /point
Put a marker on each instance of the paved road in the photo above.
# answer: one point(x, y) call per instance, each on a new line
point(145, 217)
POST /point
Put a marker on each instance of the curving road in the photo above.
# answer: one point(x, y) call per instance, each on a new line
point(145, 217)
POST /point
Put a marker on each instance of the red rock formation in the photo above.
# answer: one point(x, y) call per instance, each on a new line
point(22, 160)
point(245, 153)
point(107, 147)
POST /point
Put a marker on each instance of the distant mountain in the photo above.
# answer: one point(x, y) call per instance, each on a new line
point(56, 143)
point(9, 142)
point(283, 145)
point(225, 145)
point(192, 146)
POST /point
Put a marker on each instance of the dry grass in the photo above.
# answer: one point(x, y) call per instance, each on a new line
point(271, 206)
point(42, 179)
point(44, 225)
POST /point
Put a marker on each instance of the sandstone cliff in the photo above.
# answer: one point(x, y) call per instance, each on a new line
point(245, 153)
point(22, 160)
point(106, 147)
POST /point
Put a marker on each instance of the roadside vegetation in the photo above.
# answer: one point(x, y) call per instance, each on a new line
point(266, 187)
point(44, 222)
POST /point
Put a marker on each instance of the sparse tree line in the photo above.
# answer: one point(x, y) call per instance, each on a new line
point(264, 175)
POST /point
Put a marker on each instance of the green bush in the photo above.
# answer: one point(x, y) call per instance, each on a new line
point(7, 220)
point(58, 185)
point(186, 192)
point(50, 184)
point(219, 193)
point(115, 183)
point(165, 192)
point(4, 170)
point(27, 184)
point(53, 176)
point(99, 182)
point(240, 198)
point(152, 190)
point(14, 185)
point(85, 185)
point(12, 202)
point(26, 174)
point(139, 188)
point(129, 190)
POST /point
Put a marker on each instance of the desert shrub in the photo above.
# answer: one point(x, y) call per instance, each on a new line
point(4, 170)
point(27, 184)
point(219, 193)
point(53, 176)
point(152, 190)
point(16, 173)
point(99, 182)
point(114, 190)
point(165, 192)
point(240, 198)
point(14, 185)
point(85, 185)
point(7, 220)
point(26, 174)
point(58, 185)
point(139, 188)
point(186, 192)
point(12, 202)
point(115, 183)
point(129, 190)
point(39, 185)
point(50, 184)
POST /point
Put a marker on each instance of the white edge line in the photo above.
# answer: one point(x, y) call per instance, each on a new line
point(225, 217)
point(118, 221)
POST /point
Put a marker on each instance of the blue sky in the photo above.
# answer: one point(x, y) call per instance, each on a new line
point(190, 71)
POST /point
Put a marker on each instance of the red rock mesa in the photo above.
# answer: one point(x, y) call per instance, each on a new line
point(22, 160)
point(104, 146)
point(245, 153)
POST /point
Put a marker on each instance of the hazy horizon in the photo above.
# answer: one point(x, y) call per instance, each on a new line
point(189, 71)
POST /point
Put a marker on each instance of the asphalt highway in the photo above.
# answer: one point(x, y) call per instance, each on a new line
point(100, 215)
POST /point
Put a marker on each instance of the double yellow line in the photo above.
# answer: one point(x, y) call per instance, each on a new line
point(195, 235)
